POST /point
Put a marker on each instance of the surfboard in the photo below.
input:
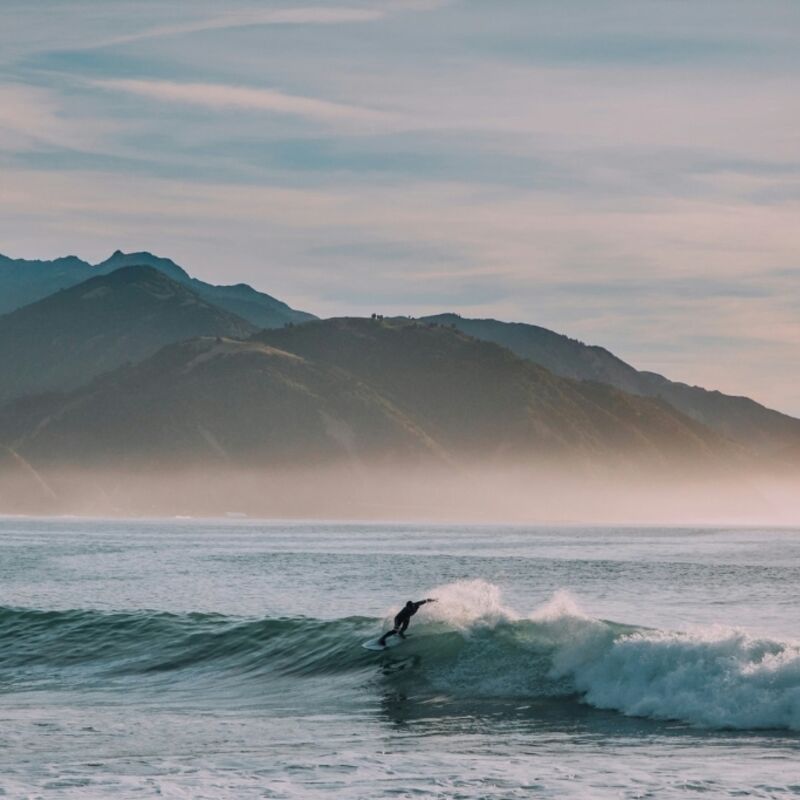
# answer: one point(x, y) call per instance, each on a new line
point(373, 644)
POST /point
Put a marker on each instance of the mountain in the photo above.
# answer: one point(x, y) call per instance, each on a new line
point(23, 282)
point(353, 389)
point(77, 333)
point(760, 429)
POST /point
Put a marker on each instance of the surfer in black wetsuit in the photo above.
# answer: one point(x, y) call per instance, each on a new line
point(403, 618)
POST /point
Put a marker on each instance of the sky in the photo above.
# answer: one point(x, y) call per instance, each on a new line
point(626, 172)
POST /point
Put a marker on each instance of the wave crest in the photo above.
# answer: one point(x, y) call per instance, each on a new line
point(714, 678)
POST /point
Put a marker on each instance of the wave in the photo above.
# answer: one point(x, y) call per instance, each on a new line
point(151, 642)
point(469, 644)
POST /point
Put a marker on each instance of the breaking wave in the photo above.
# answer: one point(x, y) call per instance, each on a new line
point(469, 644)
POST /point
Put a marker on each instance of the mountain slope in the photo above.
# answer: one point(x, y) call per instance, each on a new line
point(69, 337)
point(741, 419)
point(352, 389)
point(480, 400)
point(23, 282)
point(212, 401)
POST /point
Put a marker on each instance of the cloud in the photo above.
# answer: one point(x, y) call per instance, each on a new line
point(310, 15)
point(222, 97)
point(32, 118)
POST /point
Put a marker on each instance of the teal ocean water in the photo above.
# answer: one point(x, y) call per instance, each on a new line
point(222, 659)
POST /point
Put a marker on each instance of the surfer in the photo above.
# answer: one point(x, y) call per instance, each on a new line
point(403, 618)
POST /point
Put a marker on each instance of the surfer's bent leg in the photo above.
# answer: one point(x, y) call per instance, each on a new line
point(382, 640)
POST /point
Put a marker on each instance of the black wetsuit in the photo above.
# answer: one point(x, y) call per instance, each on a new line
point(402, 619)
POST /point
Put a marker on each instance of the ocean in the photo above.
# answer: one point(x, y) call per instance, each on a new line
point(222, 659)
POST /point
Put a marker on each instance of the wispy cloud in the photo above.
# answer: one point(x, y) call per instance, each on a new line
point(224, 97)
point(311, 15)
point(32, 118)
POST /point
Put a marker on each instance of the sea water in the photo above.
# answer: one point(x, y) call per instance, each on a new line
point(222, 659)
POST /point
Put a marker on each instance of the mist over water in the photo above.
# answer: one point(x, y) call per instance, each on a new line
point(496, 491)
point(222, 659)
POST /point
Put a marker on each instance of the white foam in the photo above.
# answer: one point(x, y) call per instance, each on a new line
point(562, 605)
point(468, 604)
point(713, 678)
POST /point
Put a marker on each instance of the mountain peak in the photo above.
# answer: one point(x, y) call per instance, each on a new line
point(143, 277)
point(119, 259)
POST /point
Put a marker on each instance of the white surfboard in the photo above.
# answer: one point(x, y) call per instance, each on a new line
point(374, 644)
